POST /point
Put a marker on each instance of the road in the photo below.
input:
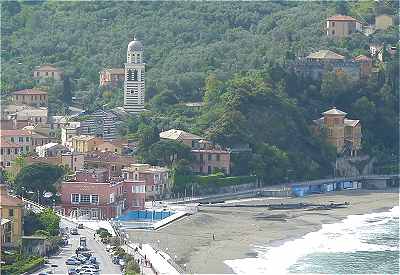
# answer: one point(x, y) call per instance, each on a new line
point(104, 260)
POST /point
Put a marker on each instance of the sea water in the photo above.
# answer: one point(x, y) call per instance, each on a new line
point(362, 244)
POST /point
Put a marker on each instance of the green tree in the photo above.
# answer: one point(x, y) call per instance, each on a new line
point(49, 221)
point(37, 179)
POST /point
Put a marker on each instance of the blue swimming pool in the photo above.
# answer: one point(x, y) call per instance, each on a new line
point(145, 215)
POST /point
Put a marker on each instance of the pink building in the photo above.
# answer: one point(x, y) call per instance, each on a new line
point(156, 179)
point(94, 195)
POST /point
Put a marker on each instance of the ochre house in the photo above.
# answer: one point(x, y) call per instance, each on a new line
point(11, 210)
point(344, 134)
point(32, 97)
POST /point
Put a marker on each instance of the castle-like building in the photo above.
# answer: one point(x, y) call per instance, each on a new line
point(134, 78)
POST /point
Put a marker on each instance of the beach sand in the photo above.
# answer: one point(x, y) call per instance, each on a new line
point(237, 230)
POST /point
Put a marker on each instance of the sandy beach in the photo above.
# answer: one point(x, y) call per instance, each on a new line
point(237, 230)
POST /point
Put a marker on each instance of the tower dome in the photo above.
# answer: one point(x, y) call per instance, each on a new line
point(135, 45)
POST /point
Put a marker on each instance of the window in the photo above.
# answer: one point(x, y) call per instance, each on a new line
point(113, 168)
point(333, 32)
point(37, 73)
point(209, 170)
point(85, 199)
point(112, 197)
point(47, 73)
point(8, 151)
point(218, 157)
point(11, 212)
point(329, 132)
point(21, 139)
point(8, 164)
point(209, 156)
point(27, 148)
point(138, 189)
point(1, 151)
point(333, 24)
point(136, 176)
point(52, 73)
point(115, 150)
point(75, 198)
point(12, 139)
point(201, 157)
point(16, 151)
point(95, 198)
point(27, 139)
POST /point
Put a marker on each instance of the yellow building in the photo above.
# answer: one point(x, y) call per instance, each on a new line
point(344, 134)
point(383, 22)
point(110, 146)
point(11, 210)
point(33, 97)
point(84, 143)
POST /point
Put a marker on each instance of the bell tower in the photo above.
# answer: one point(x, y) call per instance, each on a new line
point(134, 78)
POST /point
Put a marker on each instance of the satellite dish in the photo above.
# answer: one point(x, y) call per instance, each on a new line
point(48, 195)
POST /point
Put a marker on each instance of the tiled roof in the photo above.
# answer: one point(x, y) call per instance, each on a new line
point(8, 144)
point(115, 71)
point(340, 17)
point(351, 122)
point(108, 157)
point(83, 137)
point(8, 200)
point(12, 133)
point(334, 111)
point(29, 92)
point(325, 54)
point(362, 58)
point(47, 67)
point(178, 135)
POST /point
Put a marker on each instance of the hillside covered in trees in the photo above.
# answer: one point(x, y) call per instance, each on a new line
point(234, 56)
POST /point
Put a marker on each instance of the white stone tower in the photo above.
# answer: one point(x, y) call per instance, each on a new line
point(134, 78)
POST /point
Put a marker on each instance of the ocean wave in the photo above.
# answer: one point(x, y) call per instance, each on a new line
point(349, 235)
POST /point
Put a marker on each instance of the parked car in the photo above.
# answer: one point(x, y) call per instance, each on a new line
point(87, 254)
point(115, 259)
point(74, 271)
point(82, 248)
point(92, 259)
point(72, 261)
point(73, 231)
point(80, 226)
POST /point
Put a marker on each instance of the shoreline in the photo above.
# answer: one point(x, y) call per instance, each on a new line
point(238, 232)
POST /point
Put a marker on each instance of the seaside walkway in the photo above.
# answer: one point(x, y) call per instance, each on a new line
point(280, 190)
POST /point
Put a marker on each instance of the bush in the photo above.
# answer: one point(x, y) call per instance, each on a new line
point(22, 266)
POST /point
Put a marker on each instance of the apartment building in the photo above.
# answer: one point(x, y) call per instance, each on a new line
point(32, 97)
point(339, 26)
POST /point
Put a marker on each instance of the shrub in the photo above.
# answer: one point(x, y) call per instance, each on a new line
point(22, 266)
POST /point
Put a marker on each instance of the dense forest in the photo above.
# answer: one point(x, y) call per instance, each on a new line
point(234, 56)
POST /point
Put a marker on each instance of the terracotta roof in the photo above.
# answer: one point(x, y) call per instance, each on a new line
point(362, 58)
point(108, 157)
point(340, 17)
point(8, 200)
point(10, 133)
point(334, 111)
point(325, 54)
point(8, 144)
point(351, 122)
point(178, 135)
point(29, 92)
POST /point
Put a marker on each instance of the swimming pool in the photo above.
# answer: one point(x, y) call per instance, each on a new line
point(145, 215)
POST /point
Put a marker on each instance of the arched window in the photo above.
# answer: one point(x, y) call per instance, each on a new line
point(135, 75)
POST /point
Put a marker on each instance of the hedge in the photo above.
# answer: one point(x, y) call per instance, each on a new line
point(22, 266)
